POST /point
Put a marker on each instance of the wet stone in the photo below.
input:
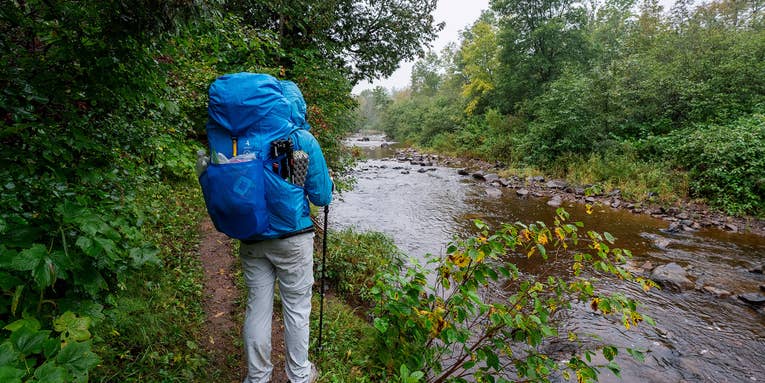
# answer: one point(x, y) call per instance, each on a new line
point(491, 177)
point(755, 299)
point(555, 201)
point(672, 277)
point(494, 192)
point(479, 175)
point(758, 269)
point(556, 184)
point(522, 192)
point(463, 172)
point(720, 293)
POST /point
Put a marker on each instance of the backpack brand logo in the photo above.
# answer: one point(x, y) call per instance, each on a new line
point(242, 185)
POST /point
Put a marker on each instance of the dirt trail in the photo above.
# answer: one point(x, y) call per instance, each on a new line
point(222, 338)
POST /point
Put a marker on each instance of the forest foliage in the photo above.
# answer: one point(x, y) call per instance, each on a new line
point(103, 106)
point(554, 84)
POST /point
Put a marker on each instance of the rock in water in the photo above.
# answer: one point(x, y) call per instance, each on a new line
point(493, 192)
point(555, 201)
point(754, 299)
point(672, 277)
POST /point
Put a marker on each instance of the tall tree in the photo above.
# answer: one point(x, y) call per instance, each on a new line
point(367, 38)
point(478, 58)
point(538, 38)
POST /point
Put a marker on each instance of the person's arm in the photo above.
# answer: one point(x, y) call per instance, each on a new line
point(318, 183)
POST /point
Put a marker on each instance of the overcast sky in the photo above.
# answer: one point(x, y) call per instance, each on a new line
point(457, 14)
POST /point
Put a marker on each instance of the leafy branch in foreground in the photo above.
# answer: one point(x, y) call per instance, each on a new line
point(486, 319)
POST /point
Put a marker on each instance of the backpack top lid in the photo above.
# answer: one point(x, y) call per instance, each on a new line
point(241, 102)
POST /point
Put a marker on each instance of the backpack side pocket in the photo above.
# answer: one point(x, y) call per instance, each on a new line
point(286, 203)
point(235, 197)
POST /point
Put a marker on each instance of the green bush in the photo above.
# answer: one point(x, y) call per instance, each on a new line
point(726, 163)
point(354, 258)
point(451, 329)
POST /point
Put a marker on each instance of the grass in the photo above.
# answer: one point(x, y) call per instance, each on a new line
point(148, 332)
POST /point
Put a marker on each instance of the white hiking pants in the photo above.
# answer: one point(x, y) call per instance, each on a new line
point(290, 261)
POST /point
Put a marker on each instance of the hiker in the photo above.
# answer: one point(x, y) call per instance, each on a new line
point(259, 114)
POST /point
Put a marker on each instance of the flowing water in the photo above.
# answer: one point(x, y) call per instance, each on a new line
point(698, 337)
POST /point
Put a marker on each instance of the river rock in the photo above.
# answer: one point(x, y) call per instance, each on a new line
point(555, 201)
point(422, 170)
point(493, 192)
point(479, 175)
point(762, 288)
point(672, 277)
point(463, 172)
point(590, 200)
point(405, 172)
point(491, 177)
point(616, 203)
point(730, 227)
point(522, 192)
point(556, 184)
point(755, 299)
point(757, 269)
point(537, 179)
point(674, 227)
point(720, 293)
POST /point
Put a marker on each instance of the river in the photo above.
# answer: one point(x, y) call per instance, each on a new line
point(699, 337)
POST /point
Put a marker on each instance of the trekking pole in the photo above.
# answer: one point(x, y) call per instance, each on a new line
point(323, 264)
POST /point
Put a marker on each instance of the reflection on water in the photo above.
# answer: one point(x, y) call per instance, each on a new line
point(698, 338)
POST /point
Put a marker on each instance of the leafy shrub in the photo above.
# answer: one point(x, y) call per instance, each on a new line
point(452, 329)
point(620, 167)
point(354, 259)
point(726, 163)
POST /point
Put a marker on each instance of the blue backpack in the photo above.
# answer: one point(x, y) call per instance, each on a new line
point(245, 198)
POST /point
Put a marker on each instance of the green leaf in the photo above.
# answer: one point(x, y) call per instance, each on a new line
point(29, 341)
point(610, 238)
point(50, 373)
point(72, 327)
point(44, 273)
point(8, 355)
point(637, 355)
point(77, 358)
point(140, 256)
point(381, 325)
point(609, 352)
point(492, 360)
point(51, 347)
point(8, 281)
point(29, 258)
point(10, 374)
point(614, 368)
point(32, 323)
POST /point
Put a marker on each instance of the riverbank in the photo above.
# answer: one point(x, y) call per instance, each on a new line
point(680, 216)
